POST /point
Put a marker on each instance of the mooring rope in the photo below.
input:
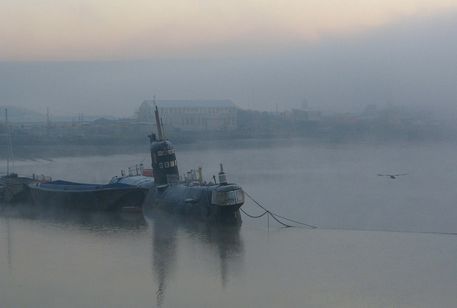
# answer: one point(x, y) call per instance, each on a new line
point(253, 216)
point(266, 212)
point(277, 217)
point(274, 215)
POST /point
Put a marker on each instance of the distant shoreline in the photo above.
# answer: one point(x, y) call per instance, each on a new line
point(52, 151)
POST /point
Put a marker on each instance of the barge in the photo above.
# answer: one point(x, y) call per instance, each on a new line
point(124, 192)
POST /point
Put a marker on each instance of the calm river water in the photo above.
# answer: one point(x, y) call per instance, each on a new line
point(377, 245)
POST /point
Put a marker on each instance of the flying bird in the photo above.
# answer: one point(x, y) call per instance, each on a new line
point(393, 176)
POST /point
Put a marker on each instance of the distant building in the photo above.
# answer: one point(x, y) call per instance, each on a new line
point(192, 115)
point(303, 115)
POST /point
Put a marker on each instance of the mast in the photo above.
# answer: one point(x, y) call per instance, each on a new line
point(7, 131)
point(8, 157)
point(163, 128)
point(158, 122)
point(48, 119)
point(163, 157)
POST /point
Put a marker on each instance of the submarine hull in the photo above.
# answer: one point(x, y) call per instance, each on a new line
point(209, 203)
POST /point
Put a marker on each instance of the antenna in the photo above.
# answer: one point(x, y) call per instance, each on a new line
point(9, 157)
point(162, 126)
point(158, 123)
point(48, 120)
point(7, 131)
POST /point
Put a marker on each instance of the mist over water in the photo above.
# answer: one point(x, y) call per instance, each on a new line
point(118, 260)
point(328, 184)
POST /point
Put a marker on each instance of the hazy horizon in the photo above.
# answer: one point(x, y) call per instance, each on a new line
point(406, 59)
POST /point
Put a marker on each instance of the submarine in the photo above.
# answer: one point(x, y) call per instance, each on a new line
point(189, 196)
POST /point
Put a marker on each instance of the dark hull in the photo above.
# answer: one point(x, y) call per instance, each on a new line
point(102, 200)
point(14, 189)
point(190, 202)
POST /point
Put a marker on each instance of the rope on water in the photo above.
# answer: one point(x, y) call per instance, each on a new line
point(266, 212)
point(275, 216)
point(253, 216)
point(278, 218)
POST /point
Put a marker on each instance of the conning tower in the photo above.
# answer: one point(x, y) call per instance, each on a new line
point(163, 157)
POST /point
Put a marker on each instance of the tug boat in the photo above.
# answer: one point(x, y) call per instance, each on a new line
point(190, 196)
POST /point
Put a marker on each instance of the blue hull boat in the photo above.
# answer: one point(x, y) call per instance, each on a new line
point(106, 197)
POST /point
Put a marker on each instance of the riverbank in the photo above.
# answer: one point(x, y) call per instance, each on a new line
point(52, 151)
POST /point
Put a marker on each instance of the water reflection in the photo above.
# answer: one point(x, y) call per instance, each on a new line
point(106, 224)
point(9, 245)
point(222, 240)
point(88, 220)
point(163, 254)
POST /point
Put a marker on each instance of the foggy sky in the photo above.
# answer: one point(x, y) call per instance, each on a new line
point(132, 29)
point(410, 62)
